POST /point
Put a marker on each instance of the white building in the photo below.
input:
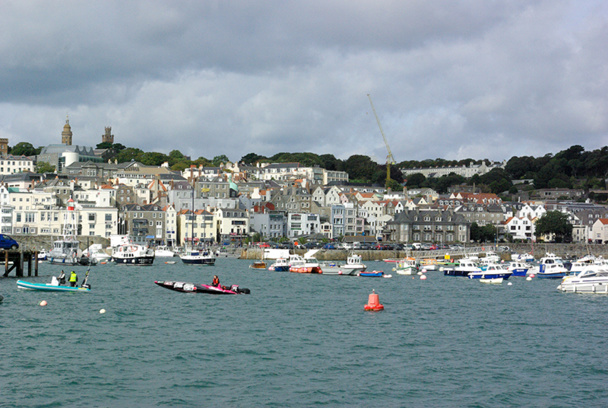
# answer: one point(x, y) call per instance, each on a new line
point(15, 164)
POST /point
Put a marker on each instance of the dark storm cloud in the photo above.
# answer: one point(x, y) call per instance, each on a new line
point(473, 78)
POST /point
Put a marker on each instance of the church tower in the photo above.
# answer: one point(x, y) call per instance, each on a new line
point(66, 135)
point(108, 137)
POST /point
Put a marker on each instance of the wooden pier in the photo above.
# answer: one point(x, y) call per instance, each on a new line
point(16, 260)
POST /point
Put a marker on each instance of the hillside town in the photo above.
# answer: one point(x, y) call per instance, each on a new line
point(232, 202)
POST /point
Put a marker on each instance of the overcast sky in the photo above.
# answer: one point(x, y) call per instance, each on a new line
point(449, 79)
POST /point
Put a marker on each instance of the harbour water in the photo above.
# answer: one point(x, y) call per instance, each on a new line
point(300, 340)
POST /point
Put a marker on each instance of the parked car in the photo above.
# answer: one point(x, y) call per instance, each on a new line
point(329, 246)
point(7, 242)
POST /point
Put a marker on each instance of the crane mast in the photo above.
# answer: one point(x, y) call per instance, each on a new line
point(389, 158)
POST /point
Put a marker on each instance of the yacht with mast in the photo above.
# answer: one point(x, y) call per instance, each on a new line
point(66, 251)
point(191, 254)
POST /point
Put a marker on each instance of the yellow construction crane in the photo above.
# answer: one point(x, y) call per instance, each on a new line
point(389, 158)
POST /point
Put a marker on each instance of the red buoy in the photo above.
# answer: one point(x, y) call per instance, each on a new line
point(373, 303)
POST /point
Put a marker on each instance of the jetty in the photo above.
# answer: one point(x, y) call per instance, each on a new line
point(16, 260)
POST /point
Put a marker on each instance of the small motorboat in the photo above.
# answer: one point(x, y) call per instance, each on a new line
point(201, 288)
point(374, 274)
point(494, 281)
point(258, 265)
point(54, 286)
point(280, 265)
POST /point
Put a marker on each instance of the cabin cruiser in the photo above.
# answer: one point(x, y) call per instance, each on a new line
point(280, 265)
point(308, 264)
point(352, 267)
point(492, 271)
point(463, 268)
point(592, 279)
point(549, 266)
point(164, 251)
point(518, 268)
point(133, 254)
point(96, 252)
point(194, 256)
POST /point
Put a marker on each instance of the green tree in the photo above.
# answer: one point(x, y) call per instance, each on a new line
point(360, 167)
point(44, 167)
point(128, 154)
point(24, 149)
point(251, 158)
point(554, 222)
point(153, 158)
point(222, 158)
point(415, 180)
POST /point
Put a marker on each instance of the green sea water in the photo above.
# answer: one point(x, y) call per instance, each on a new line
point(300, 341)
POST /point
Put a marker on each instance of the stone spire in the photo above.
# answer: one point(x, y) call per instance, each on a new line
point(66, 135)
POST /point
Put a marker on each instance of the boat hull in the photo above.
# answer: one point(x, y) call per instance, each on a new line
point(375, 274)
point(198, 261)
point(553, 275)
point(456, 272)
point(50, 288)
point(187, 287)
point(306, 269)
point(134, 261)
point(482, 275)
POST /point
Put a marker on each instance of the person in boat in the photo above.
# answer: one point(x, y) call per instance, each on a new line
point(73, 278)
point(61, 278)
point(216, 281)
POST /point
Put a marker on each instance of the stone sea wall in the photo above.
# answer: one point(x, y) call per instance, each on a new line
point(38, 242)
point(538, 250)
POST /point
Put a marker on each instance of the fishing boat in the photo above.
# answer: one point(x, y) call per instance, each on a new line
point(201, 288)
point(133, 254)
point(407, 266)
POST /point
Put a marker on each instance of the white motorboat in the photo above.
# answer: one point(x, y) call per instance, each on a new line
point(280, 265)
point(464, 267)
point(352, 267)
point(518, 268)
point(592, 279)
point(96, 251)
point(549, 266)
point(196, 257)
point(491, 271)
point(133, 254)
point(494, 281)
point(164, 252)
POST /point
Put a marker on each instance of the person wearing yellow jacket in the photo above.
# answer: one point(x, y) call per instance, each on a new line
point(73, 279)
